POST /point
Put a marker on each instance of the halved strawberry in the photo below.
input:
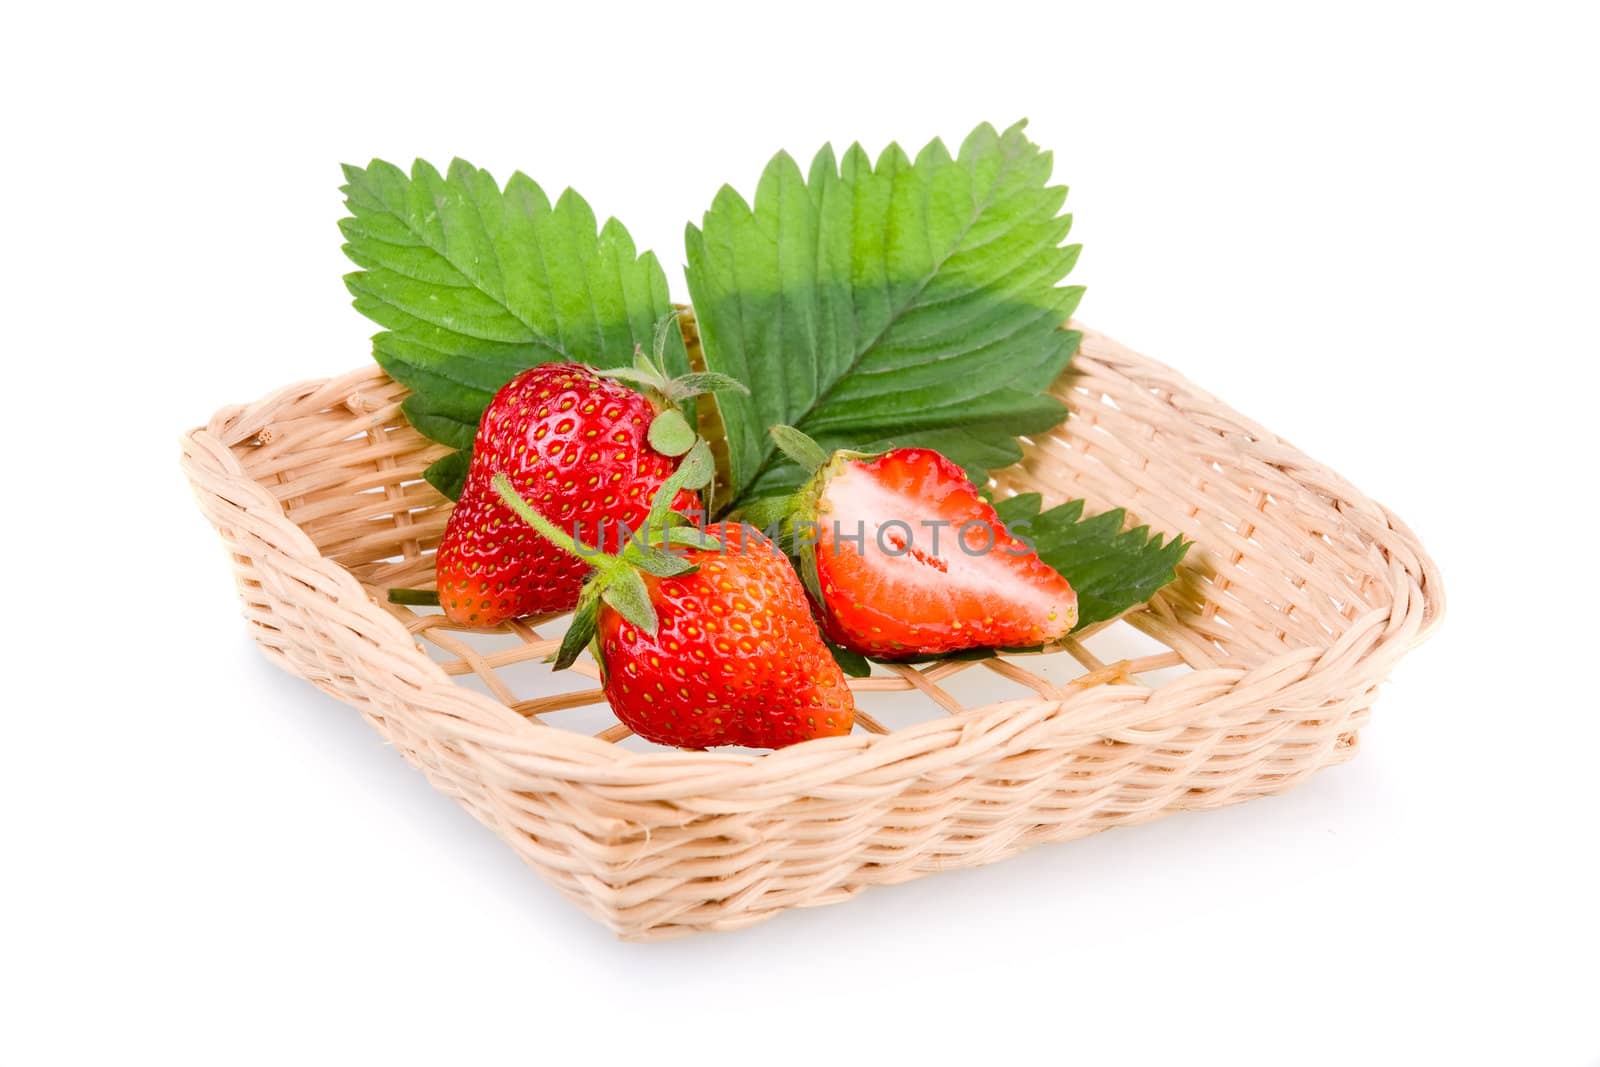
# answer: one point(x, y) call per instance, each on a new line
point(909, 560)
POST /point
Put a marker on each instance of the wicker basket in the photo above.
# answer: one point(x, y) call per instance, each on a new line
point(1296, 601)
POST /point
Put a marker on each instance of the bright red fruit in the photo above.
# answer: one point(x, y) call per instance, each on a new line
point(735, 660)
point(911, 561)
point(574, 445)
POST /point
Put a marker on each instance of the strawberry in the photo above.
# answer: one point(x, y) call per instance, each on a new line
point(909, 560)
point(575, 445)
point(735, 658)
point(589, 453)
point(713, 645)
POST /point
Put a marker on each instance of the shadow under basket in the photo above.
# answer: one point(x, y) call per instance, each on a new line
point(1258, 666)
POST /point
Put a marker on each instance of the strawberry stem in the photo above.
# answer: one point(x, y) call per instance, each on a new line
point(617, 580)
point(547, 529)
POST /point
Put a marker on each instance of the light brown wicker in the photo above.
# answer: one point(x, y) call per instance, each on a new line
point(1296, 601)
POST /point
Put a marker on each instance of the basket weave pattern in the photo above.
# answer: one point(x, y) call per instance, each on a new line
point(1294, 604)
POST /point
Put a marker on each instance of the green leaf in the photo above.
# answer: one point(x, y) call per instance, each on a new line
point(448, 474)
point(1024, 507)
point(1110, 569)
point(853, 663)
point(474, 283)
point(891, 303)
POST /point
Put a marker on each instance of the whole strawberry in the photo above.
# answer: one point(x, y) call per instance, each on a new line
point(588, 453)
point(712, 644)
point(574, 445)
point(908, 560)
point(735, 658)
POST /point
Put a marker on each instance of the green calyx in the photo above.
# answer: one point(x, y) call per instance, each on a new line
point(799, 447)
point(617, 580)
point(670, 432)
point(812, 457)
point(795, 516)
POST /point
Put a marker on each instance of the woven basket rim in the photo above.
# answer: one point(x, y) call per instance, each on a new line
point(590, 759)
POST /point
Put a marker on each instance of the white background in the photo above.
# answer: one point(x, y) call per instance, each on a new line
point(1372, 229)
